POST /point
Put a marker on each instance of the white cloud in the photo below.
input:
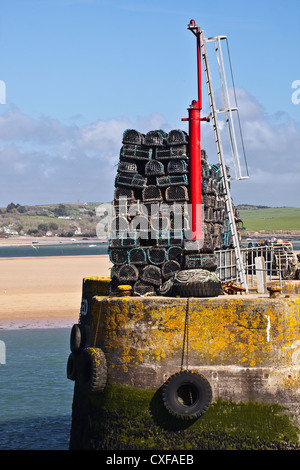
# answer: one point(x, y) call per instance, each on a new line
point(272, 144)
point(43, 160)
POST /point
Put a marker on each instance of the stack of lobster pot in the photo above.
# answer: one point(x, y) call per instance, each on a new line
point(149, 231)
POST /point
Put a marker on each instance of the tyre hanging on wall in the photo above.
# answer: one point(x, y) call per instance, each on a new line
point(77, 338)
point(71, 367)
point(92, 370)
point(187, 394)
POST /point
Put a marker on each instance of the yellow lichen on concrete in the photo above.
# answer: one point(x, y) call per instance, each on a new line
point(228, 332)
point(221, 331)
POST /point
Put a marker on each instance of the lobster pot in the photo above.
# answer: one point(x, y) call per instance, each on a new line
point(122, 194)
point(127, 167)
point(134, 209)
point(209, 214)
point(217, 216)
point(205, 171)
point(152, 275)
point(157, 255)
point(155, 168)
point(169, 268)
point(164, 181)
point(131, 136)
point(218, 203)
point(217, 230)
point(155, 138)
point(205, 200)
point(199, 261)
point(127, 273)
point(178, 208)
point(176, 194)
point(118, 255)
point(177, 166)
point(140, 224)
point(208, 246)
point(123, 242)
point(162, 239)
point(160, 224)
point(142, 288)
point(132, 180)
point(216, 171)
point(176, 237)
point(177, 137)
point(151, 194)
point(150, 210)
point(174, 253)
point(192, 246)
point(135, 152)
point(179, 222)
point(137, 256)
point(120, 207)
point(114, 271)
point(119, 224)
point(168, 153)
point(218, 242)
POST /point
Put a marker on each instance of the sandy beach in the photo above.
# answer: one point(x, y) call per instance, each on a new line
point(45, 292)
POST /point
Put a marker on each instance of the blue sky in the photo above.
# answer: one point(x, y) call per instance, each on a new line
point(79, 72)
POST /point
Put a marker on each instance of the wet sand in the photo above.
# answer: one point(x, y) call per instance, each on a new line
point(45, 292)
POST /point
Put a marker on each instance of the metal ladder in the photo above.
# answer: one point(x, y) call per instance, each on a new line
point(228, 110)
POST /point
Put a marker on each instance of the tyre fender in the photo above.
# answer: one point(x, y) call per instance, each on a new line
point(92, 370)
point(71, 367)
point(77, 338)
point(187, 394)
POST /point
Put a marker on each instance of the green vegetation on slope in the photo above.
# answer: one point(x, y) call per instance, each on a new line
point(271, 219)
point(64, 220)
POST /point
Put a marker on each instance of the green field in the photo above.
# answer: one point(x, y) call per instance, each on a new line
point(271, 219)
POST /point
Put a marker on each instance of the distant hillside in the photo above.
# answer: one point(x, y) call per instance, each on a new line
point(80, 219)
point(63, 220)
point(270, 219)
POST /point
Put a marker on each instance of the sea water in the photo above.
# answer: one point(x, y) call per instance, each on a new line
point(55, 249)
point(35, 394)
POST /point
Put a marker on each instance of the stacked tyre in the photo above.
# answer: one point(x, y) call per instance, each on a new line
point(87, 365)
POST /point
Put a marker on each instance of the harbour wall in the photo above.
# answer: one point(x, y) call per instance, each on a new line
point(247, 347)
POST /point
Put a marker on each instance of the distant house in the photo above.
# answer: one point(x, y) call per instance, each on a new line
point(10, 231)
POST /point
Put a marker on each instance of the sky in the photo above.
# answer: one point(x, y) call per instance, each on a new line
point(75, 74)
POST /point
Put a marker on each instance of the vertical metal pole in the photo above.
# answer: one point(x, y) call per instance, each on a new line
point(195, 147)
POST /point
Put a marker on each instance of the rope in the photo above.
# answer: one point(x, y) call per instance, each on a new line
point(186, 336)
point(98, 319)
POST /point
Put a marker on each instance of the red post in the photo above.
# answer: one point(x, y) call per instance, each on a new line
point(195, 147)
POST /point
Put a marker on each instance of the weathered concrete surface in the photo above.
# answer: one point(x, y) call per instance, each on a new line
point(247, 347)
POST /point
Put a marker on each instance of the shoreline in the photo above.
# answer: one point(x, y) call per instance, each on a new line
point(26, 240)
point(45, 292)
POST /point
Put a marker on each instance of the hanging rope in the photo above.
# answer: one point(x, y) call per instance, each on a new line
point(97, 327)
point(186, 336)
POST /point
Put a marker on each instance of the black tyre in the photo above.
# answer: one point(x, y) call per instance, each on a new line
point(77, 338)
point(71, 367)
point(92, 370)
point(199, 289)
point(187, 394)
